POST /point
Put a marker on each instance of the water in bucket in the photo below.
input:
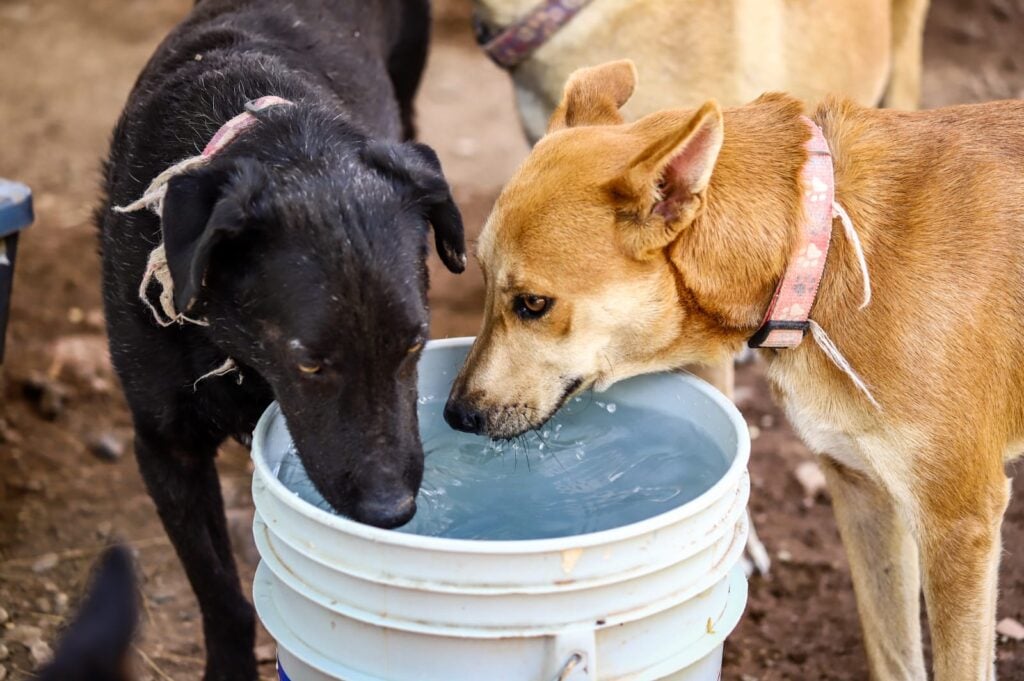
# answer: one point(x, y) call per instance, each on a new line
point(594, 466)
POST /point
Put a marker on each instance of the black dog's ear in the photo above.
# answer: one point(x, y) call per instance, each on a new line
point(197, 216)
point(97, 644)
point(419, 165)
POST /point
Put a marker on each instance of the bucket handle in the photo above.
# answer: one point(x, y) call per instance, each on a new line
point(573, 651)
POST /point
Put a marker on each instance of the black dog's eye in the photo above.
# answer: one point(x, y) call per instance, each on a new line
point(531, 307)
point(309, 368)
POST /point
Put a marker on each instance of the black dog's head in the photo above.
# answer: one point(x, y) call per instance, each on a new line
point(304, 246)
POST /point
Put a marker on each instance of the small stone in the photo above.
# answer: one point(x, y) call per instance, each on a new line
point(748, 677)
point(94, 319)
point(1011, 629)
point(104, 529)
point(43, 605)
point(784, 556)
point(24, 634)
point(4, 616)
point(60, 603)
point(811, 480)
point(48, 395)
point(755, 432)
point(107, 447)
point(4, 652)
point(3, 672)
point(45, 563)
point(40, 653)
point(76, 315)
point(767, 421)
point(466, 147)
point(266, 653)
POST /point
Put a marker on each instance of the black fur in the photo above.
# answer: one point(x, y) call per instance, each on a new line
point(96, 645)
point(302, 243)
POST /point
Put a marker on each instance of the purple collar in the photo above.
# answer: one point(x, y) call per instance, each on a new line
point(510, 47)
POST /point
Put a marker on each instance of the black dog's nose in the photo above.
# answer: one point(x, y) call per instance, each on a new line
point(387, 513)
point(461, 416)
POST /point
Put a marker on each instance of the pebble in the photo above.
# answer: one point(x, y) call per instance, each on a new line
point(4, 652)
point(266, 653)
point(48, 395)
point(3, 672)
point(755, 432)
point(811, 480)
point(784, 556)
point(45, 563)
point(40, 652)
point(1011, 629)
point(767, 421)
point(4, 616)
point(44, 606)
point(60, 603)
point(24, 634)
point(107, 447)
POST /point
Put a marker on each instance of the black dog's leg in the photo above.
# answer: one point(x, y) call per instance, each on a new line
point(186, 490)
point(408, 58)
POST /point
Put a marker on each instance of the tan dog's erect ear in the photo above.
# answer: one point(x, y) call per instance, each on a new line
point(592, 96)
point(664, 185)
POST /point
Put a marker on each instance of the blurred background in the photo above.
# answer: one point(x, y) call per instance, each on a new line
point(68, 481)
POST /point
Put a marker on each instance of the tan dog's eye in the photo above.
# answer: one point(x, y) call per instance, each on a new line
point(309, 368)
point(529, 306)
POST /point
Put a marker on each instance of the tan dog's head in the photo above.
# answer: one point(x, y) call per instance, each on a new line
point(585, 282)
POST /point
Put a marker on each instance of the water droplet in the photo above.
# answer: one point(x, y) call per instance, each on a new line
point(600, 404)
point(611, 408)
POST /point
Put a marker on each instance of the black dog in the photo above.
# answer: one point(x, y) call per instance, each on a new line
point(301, 247)
point(96, 645)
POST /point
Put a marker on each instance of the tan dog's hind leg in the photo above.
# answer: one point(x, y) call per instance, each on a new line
point(884, 564)
point(904, 88)
point(960, 550)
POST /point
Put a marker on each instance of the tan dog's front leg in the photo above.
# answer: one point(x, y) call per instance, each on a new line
point(960, 557)
point(722, 376)
point(884, 565)
point(904, 88)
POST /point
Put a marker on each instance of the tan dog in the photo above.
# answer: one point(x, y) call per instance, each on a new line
point(734, 50)
point(688, 50)
point(619, 249)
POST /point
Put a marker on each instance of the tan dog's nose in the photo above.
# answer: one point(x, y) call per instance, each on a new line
point(463, 416)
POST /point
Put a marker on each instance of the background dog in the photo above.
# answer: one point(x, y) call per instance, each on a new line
point(667, 247)
point(734, 50)
point(296, 255)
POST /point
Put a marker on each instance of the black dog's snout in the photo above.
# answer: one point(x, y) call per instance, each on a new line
point(387, 513)
point(462, 416)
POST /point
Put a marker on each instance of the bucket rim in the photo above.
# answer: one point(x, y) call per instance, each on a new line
point(344, 525)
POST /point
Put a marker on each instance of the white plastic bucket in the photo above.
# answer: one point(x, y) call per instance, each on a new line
point(650, 600)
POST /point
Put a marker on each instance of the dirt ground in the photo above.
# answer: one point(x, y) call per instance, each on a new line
point(65, 68)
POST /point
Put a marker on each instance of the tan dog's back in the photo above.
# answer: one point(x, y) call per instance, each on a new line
point(732, 50)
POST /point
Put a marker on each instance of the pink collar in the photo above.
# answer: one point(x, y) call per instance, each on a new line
point(239, 124)
point(786, 320)
point(515, 44)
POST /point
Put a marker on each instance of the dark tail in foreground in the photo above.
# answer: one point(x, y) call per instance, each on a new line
point(96, 645)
